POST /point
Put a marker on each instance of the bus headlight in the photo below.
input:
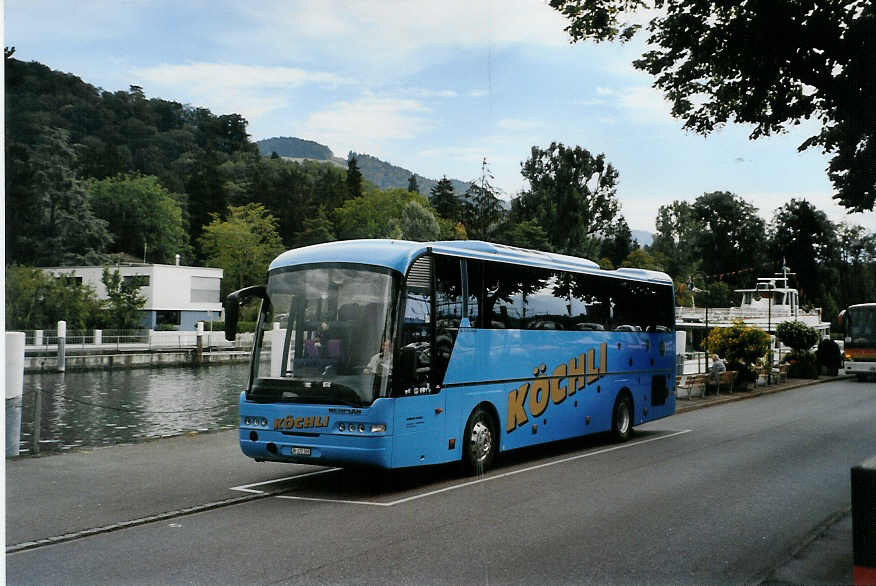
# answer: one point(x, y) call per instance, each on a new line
point(378, 427)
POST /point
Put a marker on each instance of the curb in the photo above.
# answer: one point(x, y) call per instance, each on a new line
point(743, 395)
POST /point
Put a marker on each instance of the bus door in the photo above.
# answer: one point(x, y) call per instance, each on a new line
point(419, 427)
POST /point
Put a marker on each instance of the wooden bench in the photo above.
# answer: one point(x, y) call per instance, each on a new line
point(686, 385)
point(726, 380)
point(781, 373)
point(776, 375)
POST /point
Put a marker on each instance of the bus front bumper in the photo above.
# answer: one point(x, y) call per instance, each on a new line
point(321, 450)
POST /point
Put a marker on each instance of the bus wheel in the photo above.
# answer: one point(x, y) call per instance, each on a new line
point(622, 418)
point(480, 443)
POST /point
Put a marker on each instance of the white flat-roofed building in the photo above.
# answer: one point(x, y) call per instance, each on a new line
point(175, 295)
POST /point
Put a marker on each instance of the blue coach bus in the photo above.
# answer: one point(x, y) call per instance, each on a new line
point(394, 354)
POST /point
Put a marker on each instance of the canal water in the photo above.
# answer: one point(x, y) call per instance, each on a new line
point(107, 407)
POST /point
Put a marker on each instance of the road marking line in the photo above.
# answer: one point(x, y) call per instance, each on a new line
point(482, 480)
point(248, 487)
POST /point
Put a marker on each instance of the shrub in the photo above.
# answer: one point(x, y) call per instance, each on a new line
point(796, 335)
point(829, 356)
point(802, 364)
point(741, 347)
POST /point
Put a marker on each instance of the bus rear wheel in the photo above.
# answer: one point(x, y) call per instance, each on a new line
point(622, 418)
point(480, 443)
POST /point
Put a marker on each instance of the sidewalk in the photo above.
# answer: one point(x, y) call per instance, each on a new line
point(693, 403)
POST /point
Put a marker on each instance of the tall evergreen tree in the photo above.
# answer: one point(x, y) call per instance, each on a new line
point(354, 178)
point(444, 200)
point(482, 209)
point(412, 184)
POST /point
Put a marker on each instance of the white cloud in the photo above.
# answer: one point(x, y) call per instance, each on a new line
point(232, 75)
point(367, 124)
point(384, 35)
point(641, 104)
point(251, 90)
point(424, 93)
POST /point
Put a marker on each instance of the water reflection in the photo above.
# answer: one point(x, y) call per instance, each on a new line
point(97, 408)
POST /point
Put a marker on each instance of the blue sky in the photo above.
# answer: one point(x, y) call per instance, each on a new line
point(431, 86)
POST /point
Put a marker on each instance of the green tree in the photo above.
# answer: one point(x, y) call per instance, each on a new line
point(806, 240)
point(526, 234)
point(418, 223)
point(732, 236)
point(123, 304)
point(50, 220)
point(768, 64)
point(377, 214)
point(482, 208)
point(717, 294)
point(572, 195)
point(242, 245)
point(36, 300)
point(354, 178)
point(444, 200)
point(617, 242)
point(675, 240)
point(856, 264)
point(412, 184)
point(640, 259)
point(143, 216)
point(316, 230)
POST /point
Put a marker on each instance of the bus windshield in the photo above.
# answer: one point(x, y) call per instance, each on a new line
point(861, 326)
point(324, 336)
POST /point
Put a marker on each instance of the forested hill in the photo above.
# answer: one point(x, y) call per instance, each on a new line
point(96, 176)
point(386, 175)
point(380, 173)
point(62, 134)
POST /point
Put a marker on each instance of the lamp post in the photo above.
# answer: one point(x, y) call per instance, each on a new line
point(693, 289)
point(769, 296)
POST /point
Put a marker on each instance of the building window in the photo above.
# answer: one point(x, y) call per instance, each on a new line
point(136, 280)
point(70, 279)
point(205, 290)
point(167, 318)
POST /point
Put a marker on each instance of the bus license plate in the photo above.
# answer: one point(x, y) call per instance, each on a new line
point(300, 451)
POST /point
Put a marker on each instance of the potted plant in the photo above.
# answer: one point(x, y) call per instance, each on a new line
point(800, 338)
point(741, 347)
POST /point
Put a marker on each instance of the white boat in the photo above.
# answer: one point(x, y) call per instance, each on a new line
point(771, 302)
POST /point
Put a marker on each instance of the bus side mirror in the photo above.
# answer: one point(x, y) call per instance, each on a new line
point(232, 307)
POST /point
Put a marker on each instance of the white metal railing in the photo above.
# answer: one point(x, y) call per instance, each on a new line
point(130, 340)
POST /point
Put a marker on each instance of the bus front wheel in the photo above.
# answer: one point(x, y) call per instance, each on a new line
point(480, 443)
point(622, 418)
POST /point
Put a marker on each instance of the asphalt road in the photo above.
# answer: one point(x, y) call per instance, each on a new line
point(718, 495)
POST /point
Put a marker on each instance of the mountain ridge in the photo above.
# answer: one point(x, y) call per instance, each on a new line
point(381, 173)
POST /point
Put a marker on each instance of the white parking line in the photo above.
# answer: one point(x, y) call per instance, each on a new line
point(246, 488)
